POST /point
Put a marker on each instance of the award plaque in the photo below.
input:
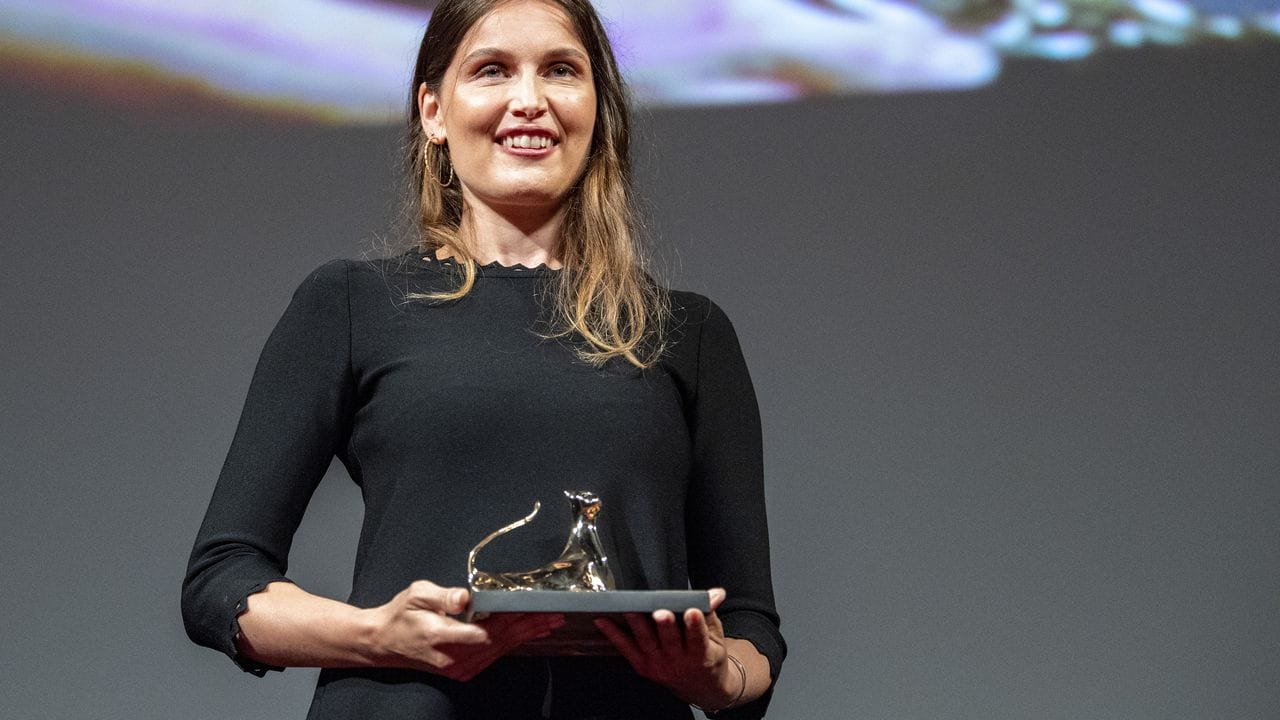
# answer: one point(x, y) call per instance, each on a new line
point(578, 584)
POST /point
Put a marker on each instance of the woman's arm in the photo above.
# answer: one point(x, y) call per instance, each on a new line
point(725, 520)
point(726, 531)
point(236, 597)
point(296, 417)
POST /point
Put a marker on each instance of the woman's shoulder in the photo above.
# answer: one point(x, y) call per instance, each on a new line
point(388, 263)
point(696, 328)
point(687, 301)
point(374, 273)
point(694, 312)
point(324, 281)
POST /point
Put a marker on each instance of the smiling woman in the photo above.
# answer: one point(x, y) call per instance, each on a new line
point(520, 347)
point(517, 110)
point(487, 71)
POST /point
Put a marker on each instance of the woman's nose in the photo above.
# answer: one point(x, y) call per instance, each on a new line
point(527, 98)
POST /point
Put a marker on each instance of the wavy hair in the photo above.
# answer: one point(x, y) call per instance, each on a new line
point(604, 298)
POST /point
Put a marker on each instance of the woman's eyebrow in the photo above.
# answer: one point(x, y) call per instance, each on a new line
point(485, 52)
point(501, 53)
point(569, 52)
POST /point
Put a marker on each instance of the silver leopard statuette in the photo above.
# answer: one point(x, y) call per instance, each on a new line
point(582, 565)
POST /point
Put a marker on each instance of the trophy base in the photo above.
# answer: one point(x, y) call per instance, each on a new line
point(579, 635)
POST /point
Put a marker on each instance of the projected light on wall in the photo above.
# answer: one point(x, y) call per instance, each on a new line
point(348, 61)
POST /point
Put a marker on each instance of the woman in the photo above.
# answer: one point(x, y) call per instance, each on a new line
point(519, 350)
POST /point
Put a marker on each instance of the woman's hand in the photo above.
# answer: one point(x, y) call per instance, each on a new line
point(692, 661)
point(414, 631)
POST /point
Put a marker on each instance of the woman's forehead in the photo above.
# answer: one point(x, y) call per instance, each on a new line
point(521, 26)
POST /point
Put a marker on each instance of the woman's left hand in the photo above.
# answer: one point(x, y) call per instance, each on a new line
point(692, 661)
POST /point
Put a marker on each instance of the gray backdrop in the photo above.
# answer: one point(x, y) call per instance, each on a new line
point(1016, 352)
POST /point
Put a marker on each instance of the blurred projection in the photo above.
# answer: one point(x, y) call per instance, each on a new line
point(348, 61)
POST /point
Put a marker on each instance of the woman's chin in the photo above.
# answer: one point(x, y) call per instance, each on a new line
point(527, 200)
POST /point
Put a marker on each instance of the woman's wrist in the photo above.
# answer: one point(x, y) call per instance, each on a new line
point(734, 687)
point(367, 625)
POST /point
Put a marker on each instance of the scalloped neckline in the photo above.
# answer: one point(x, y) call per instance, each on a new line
point(492, 268)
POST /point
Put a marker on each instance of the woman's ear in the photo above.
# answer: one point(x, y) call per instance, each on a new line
point(429, 114)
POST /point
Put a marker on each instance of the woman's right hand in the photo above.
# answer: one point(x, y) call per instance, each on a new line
point(414, 631)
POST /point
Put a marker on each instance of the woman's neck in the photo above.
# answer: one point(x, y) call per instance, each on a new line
point(526, 238)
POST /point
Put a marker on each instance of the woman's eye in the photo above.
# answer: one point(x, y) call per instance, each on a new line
point(562, 70)
point(489, 71)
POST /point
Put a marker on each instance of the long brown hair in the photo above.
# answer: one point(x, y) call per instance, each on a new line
point(604, 298)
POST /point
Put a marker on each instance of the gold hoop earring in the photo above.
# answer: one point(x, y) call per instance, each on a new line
point(436, 142)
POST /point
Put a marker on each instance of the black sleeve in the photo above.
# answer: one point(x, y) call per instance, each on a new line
point(295, 418)
point(727, 529)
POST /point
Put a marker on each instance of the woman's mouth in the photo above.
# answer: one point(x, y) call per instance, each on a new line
point(527, 142)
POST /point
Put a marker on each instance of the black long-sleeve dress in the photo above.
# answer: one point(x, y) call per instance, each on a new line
point(453, 418)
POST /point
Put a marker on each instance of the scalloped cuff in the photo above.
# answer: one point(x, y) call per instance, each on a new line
point(245, 663)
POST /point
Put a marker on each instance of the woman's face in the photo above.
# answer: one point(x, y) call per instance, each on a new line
point(516, 107)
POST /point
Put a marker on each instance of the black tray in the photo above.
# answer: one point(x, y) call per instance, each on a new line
point(578, 635)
